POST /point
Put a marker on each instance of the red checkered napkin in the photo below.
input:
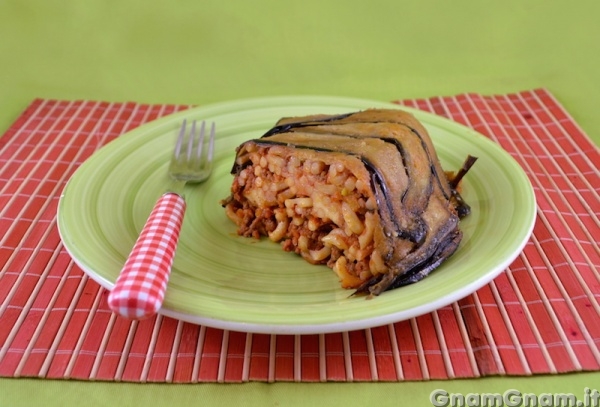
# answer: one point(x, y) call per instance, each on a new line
point(140, 289)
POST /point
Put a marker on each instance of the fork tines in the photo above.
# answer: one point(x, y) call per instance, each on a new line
point(194, 140)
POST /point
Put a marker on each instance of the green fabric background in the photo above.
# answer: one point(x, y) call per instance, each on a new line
point(198, 52)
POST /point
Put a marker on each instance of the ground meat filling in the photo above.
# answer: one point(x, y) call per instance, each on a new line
point(321, 211)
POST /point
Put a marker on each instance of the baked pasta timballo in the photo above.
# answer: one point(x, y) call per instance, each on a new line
point(363, 193)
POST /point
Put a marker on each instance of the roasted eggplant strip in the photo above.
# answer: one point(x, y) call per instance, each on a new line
point(362, 192)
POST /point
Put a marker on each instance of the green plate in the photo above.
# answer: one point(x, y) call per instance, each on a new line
point(225, 281)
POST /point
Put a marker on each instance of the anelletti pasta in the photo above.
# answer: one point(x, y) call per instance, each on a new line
point(363, 193)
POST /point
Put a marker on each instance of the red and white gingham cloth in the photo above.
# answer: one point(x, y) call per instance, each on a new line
point(140, 288)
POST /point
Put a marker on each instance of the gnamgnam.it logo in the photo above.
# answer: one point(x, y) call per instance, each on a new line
point(514, 398)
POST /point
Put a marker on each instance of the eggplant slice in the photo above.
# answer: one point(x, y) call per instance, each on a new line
point(363, 193)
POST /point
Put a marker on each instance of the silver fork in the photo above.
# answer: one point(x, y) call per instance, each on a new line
point(140, 288)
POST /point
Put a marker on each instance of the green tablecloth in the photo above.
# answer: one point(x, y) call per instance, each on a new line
point(199, 52)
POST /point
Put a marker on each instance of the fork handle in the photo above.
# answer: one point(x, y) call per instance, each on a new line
point(140, 288)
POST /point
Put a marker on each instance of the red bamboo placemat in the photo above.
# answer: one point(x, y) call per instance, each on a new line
point(542, 315)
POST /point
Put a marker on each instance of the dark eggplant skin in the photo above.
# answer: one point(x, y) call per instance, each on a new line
point(419, 207)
